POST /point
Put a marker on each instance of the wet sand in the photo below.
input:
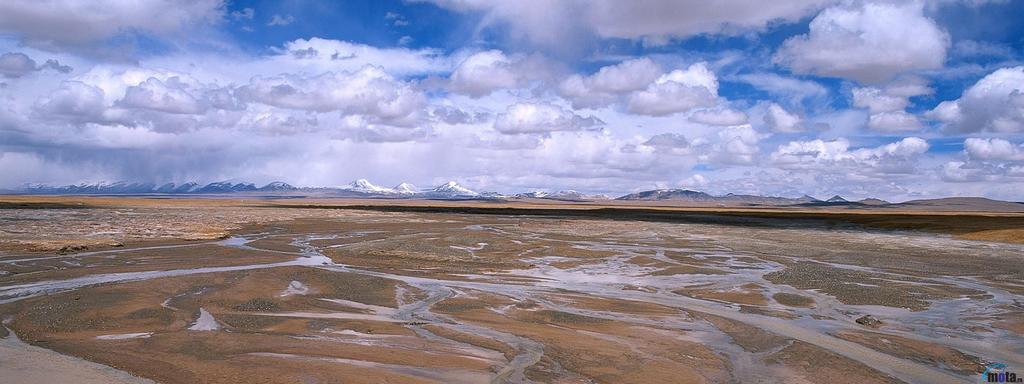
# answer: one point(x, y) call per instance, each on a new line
point(306, 294)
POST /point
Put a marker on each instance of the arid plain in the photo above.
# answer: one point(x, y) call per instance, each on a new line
point(99, 290)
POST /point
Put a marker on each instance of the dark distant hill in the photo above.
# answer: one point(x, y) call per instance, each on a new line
point(669, 194)
point(961, 204)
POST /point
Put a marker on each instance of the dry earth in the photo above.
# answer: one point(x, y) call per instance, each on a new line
point(185, 291)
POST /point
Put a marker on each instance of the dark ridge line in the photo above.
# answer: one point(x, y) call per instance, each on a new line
point(933, 223)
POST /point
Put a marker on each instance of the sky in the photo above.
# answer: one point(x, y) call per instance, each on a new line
point(896, 100)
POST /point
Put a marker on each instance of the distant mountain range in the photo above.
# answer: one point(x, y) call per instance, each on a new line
point(358, 188)
point(451, 190)
point(695, 198)
point(728, 199)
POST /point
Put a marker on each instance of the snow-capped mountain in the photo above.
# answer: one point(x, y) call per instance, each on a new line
point(450, 190)
point(188, 187)
point(366, 187)
point(277, 186)
point(567, 194)
point(126, 188)
point(836, 199)
point(226, 187)
point(532, 195)
point(119, 187)
point(405, 189)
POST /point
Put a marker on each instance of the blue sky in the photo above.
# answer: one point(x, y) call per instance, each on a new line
point(896, 100)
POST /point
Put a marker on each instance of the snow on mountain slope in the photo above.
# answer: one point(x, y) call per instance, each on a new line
point(365, 186)
point(452, 189)
point(405, 189)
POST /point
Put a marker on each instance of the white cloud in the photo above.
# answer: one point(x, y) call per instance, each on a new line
point(482, 73)
point(793, 91)
point(677, 91)
point(993, 149)
point(898, 121)
point(1001, 174)
point(695, 181)
point(559, 22)
point(542, 118)
point(280, 21)
point(893, 158)
point(995, 103)
point(733, 145)
point(244, 14)
point(318, 55)
point(673, 143)
point(172, 96)
point(644, 89)
point(869, 42)
point(369, 91)
point(720, 117)
point(74, 100)
point(780, 120)
point(877, 102)
point(887, 107)
point(602, 88)
point(52, 24)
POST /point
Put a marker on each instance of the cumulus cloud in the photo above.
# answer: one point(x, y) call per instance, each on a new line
point(455, 115)
point(993, 149)
point(62, 23)
point(542, 118)
point(654, 21)
point(719, 117)
point(995, 103)
point(893, 158)
point(887, 106)
point(602, 88)
point(736, 145)
point(877, 101)
point(972, 171)
point(673, 143)
point(780, 120)
point(677, 91)
point(644, 89)
point(172, 96)
point(13, 65)
point(16, 64)
point(75, 101)
point(694, 181)
point(482, 73)
point(369, 91)
point(869, 42)
point(897, 121)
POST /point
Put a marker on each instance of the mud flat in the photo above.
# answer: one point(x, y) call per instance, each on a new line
point(369, 295)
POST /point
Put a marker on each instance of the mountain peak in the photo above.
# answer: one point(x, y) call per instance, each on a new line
point(836, 199)
point(668, 194)
point(454, 189)
point(405, 188)
point(277, 186)
point(365, 186)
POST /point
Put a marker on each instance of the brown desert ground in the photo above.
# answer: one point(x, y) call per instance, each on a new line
point(121, 289)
